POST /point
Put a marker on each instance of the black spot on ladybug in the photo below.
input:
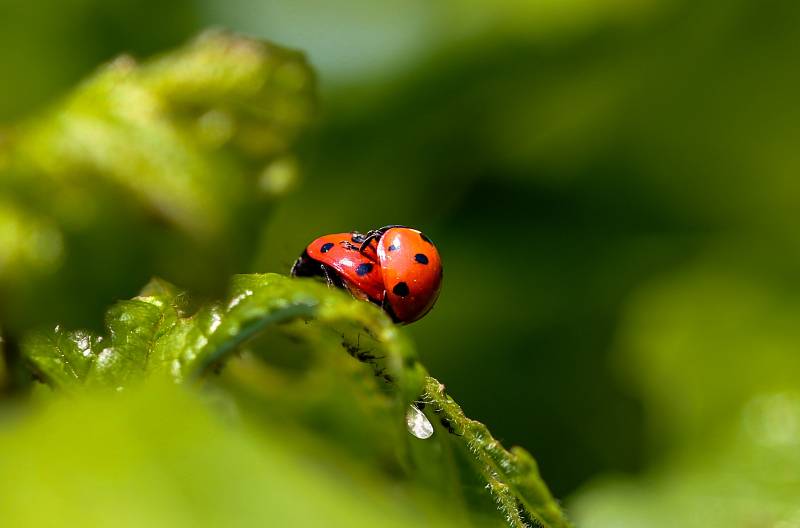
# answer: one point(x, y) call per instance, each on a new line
point(326, 247)
point(426, 239)
point(393, 248)
point(363, 269)
point(401, 289)
point(422, 259)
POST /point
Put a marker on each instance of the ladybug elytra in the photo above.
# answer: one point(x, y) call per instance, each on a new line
point(396, 267)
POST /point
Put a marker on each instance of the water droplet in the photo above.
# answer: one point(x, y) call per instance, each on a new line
point(418, 424)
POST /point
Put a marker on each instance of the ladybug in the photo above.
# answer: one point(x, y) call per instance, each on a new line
point(345, 262)
point(411, 268)
point(395, 267)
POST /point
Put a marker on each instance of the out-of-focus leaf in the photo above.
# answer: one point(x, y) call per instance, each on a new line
point(403, 32)
point(347, 393)
point(143, 168)
point(713, 352)
point(747, 476)
point(28, 243)
point(155, 456)
point(155, 130)
point(3, 367)
point(700, 344)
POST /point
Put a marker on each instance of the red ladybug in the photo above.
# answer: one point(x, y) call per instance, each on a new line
point(395, 267)
point(411, 268)
point(344, 262)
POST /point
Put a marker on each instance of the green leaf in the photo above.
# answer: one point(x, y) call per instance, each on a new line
point(31, 244)
point(3, 368)
point(146, 166)
point(154, 129)
point(66, 358)
point(156, 456)
point(746, 476)
point(713, 351)
point(511, 477)
point(355, 386)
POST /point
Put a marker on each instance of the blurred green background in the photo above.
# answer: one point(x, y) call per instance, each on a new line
point(613, 186)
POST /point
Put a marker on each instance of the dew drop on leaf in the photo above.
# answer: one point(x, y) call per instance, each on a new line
point(418, 424)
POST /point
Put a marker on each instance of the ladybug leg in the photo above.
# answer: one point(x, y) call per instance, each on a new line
point(383, 301)
point(331, 278)
point(386, 307)
point(369, 237)
point(327, 276)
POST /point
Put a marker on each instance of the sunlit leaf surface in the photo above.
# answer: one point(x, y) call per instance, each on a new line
point(350, 375)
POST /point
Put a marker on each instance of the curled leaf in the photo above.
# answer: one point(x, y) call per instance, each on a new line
point(356, 391)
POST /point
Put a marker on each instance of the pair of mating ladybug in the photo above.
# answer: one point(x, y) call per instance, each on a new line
point(396, 267)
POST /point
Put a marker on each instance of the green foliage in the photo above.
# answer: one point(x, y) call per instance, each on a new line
point(714, 356)
point(154, 336)
point(162, 165)
point(611, 184)
point(159, 457)
point(144, 167)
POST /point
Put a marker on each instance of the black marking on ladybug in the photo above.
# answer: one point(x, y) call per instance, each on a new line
point(401, 289)
point(426, 239)
point(363, 269)
point(357, 238)
point(393, 248)
point(422, 259)
point(326, 247)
